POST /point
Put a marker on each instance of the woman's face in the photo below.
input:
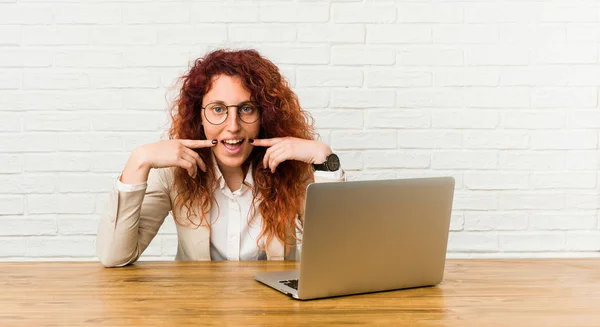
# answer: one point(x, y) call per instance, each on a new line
point(233, 134)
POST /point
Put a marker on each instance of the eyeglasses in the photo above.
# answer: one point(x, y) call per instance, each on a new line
point(216, 112)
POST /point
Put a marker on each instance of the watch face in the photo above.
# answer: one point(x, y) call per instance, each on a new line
point(333, 162)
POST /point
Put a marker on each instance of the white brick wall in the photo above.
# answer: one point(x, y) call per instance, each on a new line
point(502, 95)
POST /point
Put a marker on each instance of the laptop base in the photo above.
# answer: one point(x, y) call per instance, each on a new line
point(274, 280)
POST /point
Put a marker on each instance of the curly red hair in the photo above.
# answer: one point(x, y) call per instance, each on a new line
point(280, 196)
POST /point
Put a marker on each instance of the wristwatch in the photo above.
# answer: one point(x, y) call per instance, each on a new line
point(332, 163)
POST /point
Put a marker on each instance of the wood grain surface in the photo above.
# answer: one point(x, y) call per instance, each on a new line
point(517, 292)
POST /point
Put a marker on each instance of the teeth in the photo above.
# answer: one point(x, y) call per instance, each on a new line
point(232, 141)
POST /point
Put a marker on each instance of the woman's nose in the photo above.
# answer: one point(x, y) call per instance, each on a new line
point(233, 123)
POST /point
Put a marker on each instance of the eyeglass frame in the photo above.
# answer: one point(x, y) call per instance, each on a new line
point(227, 111)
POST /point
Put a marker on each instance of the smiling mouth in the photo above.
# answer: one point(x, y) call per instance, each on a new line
point(233, 143)
point(234, 147)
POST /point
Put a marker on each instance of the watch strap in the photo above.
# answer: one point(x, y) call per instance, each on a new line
point(324, 166)
point(321, 167)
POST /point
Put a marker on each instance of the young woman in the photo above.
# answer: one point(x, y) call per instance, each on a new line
point(234, 171)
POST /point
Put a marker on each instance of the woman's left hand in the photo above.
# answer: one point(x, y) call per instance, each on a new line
point(281, 149)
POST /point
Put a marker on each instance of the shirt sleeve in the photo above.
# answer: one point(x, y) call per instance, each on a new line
point(122, 187)
point(330, 176)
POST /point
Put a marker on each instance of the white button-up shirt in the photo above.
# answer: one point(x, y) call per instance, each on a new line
point(233, 234)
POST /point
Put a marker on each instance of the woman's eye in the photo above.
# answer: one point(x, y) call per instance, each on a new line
point(247, 109)
point(218, 110)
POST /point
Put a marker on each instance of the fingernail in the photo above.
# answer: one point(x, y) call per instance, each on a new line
point(251, 140)
point(214, 141)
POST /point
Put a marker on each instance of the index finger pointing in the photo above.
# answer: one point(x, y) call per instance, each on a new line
point(266, 142)
point(195, 144)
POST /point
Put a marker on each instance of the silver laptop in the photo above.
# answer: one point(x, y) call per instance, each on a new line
point(369, 236)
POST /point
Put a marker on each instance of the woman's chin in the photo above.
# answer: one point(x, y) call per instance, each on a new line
point(232, 161)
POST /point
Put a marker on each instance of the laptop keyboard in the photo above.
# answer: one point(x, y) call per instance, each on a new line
point(293, 283)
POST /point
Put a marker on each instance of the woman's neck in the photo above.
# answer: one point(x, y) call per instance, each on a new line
point(233, 176)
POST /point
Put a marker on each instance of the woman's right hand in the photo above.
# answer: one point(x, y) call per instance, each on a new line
point(172, 153)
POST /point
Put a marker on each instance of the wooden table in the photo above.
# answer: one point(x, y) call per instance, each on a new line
point(523, 292)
